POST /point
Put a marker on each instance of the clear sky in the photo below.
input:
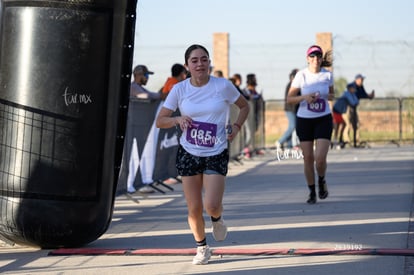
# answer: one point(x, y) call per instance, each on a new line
point(270, 37)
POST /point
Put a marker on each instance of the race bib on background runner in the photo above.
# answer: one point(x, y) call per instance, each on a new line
point(319, 106)
point(202, 133)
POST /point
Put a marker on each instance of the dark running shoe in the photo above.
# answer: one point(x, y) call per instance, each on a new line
point(323, 190)
point(312, 198)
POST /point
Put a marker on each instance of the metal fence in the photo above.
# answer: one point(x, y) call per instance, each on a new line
point(251, 137)
point(388, 119)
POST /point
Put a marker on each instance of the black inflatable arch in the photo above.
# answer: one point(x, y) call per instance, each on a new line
point(64, 87)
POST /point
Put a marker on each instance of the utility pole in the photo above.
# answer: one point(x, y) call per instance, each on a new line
point(324, 40)
point(221, 48)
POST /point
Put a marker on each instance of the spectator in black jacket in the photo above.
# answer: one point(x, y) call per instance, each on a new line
point(353, 114)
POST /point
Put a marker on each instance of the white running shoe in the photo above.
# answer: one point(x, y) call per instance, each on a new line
point(278, 145)
point(146, 189)
point(131, 190)
point(203, 255)
point(219, 230)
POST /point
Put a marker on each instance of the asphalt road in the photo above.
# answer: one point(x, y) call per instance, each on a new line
point(363, 227)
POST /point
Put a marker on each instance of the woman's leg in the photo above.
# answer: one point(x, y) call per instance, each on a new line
point(214, 185)
point(347, 126)
point(213, 203)
point(287, 136)
point(321, 153)
point(308, 159)
point(292, 125)
point(193, 187)
point(336, 129)
point(309, 169)
point(341, 132)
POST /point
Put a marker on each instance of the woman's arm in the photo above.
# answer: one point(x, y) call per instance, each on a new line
point(331, 94)
point(244, 109)
point(294, 98)
point(164, 119)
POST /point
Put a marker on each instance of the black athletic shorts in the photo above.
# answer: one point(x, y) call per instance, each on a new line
point(190, 165)
point(310, 129)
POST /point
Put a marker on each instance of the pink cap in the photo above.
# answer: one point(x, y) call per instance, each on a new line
point(314, 49)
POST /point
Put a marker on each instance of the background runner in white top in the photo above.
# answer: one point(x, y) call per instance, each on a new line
point(309, 83)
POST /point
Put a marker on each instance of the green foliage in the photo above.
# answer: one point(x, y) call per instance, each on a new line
point(408, 116)
point(339, 86)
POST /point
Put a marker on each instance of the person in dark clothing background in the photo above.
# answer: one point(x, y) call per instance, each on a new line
point(290, 110)
point(353, 113)
point(236, 79)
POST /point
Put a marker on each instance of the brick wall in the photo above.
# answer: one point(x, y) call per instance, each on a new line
point(371, 121)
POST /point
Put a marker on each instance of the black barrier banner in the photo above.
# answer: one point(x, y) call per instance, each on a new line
point(141, 114)
point(167, 148)
point(149, 152)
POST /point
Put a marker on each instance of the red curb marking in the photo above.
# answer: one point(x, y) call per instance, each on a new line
point(232, 251)
point(250, 251)
point(164, 251)
point(87, 251)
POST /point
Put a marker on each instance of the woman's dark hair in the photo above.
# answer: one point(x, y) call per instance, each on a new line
point(251, 79)
point(237, 76)
point(293, 73)
point(327, 60)
point(177, 69)
point(191, 49)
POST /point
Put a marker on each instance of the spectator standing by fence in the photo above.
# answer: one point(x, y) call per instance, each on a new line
point(178, 73)
point(340, 112)
point(314, 118)
point(251, 85)
point(290, 111)
point(353, 114)
point(141, 76)
point(256, 98)
point(236, 79)
point(202, 158)
point(218, 73)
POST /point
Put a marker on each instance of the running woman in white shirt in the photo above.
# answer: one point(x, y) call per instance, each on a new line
point(204, 103)
point(314, 119)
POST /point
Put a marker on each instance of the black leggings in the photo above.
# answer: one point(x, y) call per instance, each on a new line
point(310, 129)
point(190, 165)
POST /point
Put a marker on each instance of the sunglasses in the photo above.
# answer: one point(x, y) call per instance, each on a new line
point(146, 75)
point(318, 55)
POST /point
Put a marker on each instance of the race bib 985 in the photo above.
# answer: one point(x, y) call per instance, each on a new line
point(202, 133)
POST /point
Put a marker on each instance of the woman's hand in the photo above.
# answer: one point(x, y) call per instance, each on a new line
point(232, 131)
point(311, 98)
point(183, 122)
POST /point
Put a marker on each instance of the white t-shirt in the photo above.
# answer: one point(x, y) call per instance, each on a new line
point(309, 83)
point(209, 108)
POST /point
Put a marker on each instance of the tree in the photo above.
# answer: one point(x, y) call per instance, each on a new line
point(339, 86)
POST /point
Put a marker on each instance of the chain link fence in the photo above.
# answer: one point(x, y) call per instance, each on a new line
point(381, 120)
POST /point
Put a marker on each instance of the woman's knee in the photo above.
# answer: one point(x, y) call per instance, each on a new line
point(195, 211)
point(320, 162)
point(308, 159)
point(213, 209)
